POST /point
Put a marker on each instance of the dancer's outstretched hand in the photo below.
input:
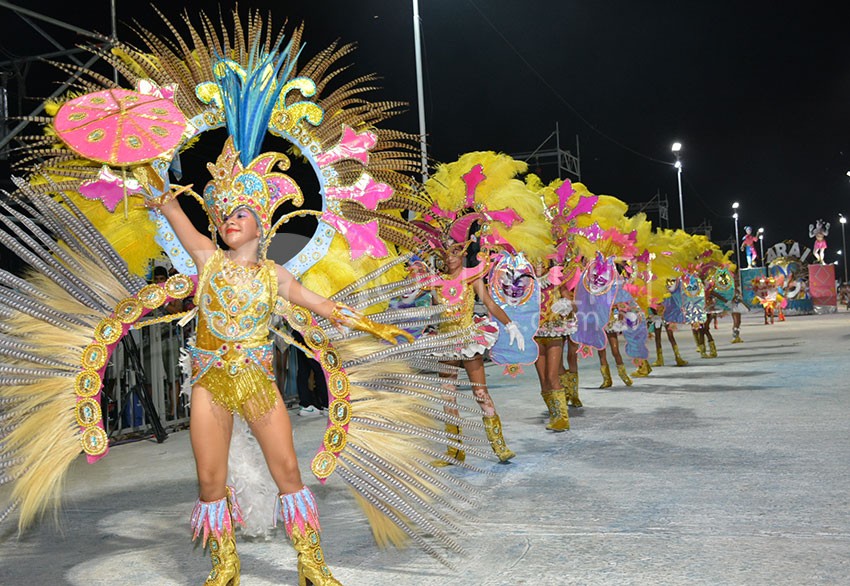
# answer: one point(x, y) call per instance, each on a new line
point(515, 336)
point(344, 316)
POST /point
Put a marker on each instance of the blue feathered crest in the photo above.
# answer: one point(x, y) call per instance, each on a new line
point(249, 95)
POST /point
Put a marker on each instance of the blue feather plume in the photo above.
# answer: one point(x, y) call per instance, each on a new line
point(249, 102)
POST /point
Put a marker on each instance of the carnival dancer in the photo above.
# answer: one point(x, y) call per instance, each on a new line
point(556, 324)
point(612, 330)
point(607, 236)
point(693, 307)
point(748, 245)
point(737, 308)
point(231, 372)
point(671, 313)
point(767, 294)
point(457, 289)
point(632, 306)
point(478, 198)
point(636, 332)
point(616, 326)
point(658, 323)
point(626, 319)
point(566, 205)
point(717, 297)
point(568, 375)
point(645, 284)
point(713, 267)
point(844, 295)
point(819, 231)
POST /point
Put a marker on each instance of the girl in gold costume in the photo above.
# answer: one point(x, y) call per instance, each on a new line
point(232, 373)
point(457, 289)
point(557, 322)
point(478, 198)
point(252, 85)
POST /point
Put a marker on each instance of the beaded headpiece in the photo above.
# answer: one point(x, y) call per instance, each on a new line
point(255, 187)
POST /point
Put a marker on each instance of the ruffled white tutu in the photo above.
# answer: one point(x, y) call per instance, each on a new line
point(483, 338)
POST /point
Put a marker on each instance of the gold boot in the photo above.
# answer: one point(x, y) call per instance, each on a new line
point(606, 377)
point(214, 521)
point(712, 349)
point(679, 360)
point(493, 427)
point(659, 361)
point(301, 520)
point(700, 345)
point(559, 416)
point(621, 370)
point(736, 336)
point(225, 561)
point(452, 451)
point(643, 370)
point(569, 382)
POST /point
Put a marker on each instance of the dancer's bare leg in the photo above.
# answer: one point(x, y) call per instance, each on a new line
point(274, 434)
point(210, 428)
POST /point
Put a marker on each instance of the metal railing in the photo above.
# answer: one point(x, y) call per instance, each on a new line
point(146, 368)
point(155, 376)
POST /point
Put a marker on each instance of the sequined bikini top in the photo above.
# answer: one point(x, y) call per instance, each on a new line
point(234, 302)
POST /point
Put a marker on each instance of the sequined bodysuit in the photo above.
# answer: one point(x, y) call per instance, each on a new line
point(553, 324)
point(459, 300)
point(232, 355)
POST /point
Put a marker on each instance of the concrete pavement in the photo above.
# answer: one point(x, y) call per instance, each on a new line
point(728, 471)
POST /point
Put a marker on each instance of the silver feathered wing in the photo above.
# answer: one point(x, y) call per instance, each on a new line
point(386, 417)
point(58, 326)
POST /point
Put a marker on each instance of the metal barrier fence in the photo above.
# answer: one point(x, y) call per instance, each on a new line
point(147, 369)
point(144, 369)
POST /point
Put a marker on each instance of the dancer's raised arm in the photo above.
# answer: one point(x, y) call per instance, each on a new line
point(199, 246)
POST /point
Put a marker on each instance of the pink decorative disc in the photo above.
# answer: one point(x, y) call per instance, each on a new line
point(120, 127)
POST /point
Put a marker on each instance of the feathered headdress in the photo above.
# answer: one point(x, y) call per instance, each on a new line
point(242, 177)
point(480, 192)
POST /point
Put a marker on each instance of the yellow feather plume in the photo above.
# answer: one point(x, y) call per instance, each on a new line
point(448, 190)
point(132, 237)
point(500, 190)
point(336, 270)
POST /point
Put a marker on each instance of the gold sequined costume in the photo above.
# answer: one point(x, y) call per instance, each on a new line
point(483, 335)
point(461, 311)
point(552, 323)
point(232, 356)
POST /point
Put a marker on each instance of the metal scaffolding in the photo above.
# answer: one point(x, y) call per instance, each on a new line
point(658, 204)
point(18, 67)
point(567, 162)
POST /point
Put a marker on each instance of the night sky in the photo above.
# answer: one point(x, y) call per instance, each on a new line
point(758, 92)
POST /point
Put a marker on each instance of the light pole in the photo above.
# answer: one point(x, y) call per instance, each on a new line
point(677, 146)
point(761, 250)
point(737, 245)
point(420, 91)
point(843, 221)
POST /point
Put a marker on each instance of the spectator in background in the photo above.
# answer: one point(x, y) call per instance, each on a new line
point(310, 380)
